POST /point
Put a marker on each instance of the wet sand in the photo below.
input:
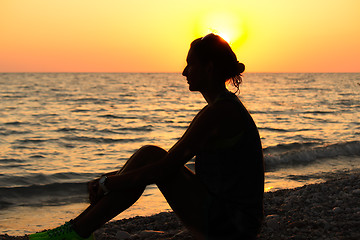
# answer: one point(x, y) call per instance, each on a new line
point(329, 210)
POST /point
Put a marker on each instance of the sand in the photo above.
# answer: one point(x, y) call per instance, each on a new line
point(329, 210)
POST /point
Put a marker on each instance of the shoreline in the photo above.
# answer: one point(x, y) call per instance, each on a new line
point(328, 210)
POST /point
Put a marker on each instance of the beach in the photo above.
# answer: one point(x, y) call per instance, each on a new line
point(60, 130)
point(328, 210)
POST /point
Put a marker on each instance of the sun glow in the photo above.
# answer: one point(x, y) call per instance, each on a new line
point(154, 36)
point(227, 25)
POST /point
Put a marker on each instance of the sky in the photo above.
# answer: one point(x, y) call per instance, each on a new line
point(155, 35)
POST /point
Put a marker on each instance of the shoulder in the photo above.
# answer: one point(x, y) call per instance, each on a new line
point(212, 115)
point(227, 113)
point(216, 120)
point(229, 109)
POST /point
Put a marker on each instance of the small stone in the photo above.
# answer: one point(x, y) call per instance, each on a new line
point(273, 216)
point(181, 234)
point(273, 223)
point(337, 210)
point(348, 210)
point(338, 202)
point(297, 237)
point(149, 233)
point(122, 235)
point(356, 192)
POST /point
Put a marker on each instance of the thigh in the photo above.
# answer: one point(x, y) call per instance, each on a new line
point(188, 197)
point(145, 155)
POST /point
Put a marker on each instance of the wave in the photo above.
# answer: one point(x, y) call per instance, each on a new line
point(17, 123)
point(80, 110)
point(5, 132)
point(67, 129)
point(11, 160)
point(43, 195)
point(101, 139)
point(27, 180)
point(43, 190)
point(35, 141)
point(90, 99)
point(306, 153)
point(37, 190)
point(146, 128)
point(11, 163)
point(45, 115)
point(112, 116)
point(319, 112)
point(283, 130)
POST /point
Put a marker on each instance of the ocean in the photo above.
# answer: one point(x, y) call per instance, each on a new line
point(60, 130)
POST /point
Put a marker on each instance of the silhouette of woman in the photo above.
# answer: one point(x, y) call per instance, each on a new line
point(223, 199)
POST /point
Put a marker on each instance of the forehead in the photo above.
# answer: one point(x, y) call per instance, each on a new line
point(192, 56)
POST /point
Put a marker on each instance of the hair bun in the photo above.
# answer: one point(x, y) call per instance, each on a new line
point(241, 67)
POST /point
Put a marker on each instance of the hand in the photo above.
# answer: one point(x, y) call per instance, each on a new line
point(95, 191)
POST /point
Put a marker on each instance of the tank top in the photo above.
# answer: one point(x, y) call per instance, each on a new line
point(232, 170)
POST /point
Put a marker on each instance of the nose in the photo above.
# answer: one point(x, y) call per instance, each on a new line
point(185, 71)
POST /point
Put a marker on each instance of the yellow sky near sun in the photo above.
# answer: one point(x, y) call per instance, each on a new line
point(154, 36)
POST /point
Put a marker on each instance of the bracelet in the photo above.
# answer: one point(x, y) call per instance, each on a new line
point(102, 182)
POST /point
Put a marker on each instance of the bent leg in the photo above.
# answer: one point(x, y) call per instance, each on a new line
point(187, 197)
point(115, 202)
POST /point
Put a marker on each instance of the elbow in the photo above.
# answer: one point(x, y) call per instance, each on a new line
point(168, 169)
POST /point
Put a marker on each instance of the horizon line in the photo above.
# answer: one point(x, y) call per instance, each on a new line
point(144, 72)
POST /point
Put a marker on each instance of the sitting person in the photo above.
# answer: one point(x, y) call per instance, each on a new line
point(223, 199)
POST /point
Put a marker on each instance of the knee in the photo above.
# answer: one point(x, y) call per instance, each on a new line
point(152, 151)
point(145, 155)
point(149, 154)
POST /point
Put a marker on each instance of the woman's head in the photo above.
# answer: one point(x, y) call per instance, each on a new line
point(214, 50)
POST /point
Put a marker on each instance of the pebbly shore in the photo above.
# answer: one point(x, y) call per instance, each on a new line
point(329, 210)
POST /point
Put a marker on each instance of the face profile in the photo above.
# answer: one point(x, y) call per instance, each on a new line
point(211, 61)
point(195, 73)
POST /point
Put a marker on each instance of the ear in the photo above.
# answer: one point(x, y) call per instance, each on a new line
point(209, 68)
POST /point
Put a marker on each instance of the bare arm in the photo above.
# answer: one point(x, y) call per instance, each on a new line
point(210, 122)
point(191, 142)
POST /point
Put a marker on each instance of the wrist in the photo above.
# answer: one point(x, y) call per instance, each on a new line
point(102, 184)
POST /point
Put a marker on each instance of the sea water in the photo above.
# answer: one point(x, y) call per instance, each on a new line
point(60, 130)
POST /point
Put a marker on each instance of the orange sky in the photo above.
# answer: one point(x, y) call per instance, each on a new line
point(154, 36)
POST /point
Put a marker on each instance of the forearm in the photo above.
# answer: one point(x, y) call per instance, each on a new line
point(135, 178)
point(106, 174)
point(142, 176)
point(110, 173)
point(155, 168)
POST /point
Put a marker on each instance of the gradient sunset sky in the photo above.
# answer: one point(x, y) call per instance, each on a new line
point(154, 35)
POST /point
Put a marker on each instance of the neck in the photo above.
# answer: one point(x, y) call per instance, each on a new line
point(212, 94)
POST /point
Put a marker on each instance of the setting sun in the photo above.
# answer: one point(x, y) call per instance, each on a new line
point(225, 24)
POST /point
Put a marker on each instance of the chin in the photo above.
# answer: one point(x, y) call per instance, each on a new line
point(192, 89)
